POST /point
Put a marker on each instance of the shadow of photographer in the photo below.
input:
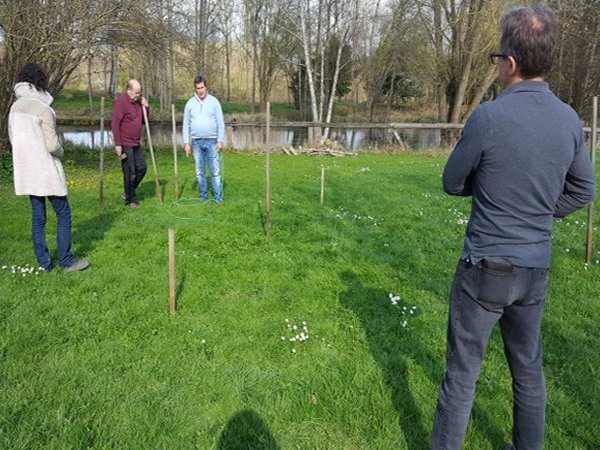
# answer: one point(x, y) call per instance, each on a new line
point(247, 431)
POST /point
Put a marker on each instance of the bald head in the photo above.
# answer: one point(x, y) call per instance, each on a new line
point(134, 90)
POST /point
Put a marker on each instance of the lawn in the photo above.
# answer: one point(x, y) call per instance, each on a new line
point(74, 106)
point(93, 359)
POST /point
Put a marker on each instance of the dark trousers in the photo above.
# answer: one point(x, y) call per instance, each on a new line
point(134, 169)
point(478, 300)
point(63, 231)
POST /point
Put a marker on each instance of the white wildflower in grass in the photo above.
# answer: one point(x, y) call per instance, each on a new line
point(404, 310)
point(203, 341)
point(24, 271)
point(567, 250)
point(298, 333)
point(345, 214)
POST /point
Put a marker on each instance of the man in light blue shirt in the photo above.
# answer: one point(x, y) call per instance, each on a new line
point(204, 127)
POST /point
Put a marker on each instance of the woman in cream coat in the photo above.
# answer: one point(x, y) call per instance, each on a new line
point(37, 169)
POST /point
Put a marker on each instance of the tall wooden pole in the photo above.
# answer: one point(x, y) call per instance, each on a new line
point(175, 153)
point(154, 170)
point(268, 130)
point(590, 219)
point(101, 195)
point(172, 302)
point(322, 185)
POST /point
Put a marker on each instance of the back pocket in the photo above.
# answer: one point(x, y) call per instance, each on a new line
point(495, 283)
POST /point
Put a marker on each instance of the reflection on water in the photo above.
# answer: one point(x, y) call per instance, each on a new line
point(252, 137)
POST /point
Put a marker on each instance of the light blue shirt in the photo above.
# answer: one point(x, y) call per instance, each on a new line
point(203, 119)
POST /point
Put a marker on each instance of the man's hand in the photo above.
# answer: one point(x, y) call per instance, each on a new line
point(144, 102)
point(118, 151)
point(188, 150)
point(219, 146)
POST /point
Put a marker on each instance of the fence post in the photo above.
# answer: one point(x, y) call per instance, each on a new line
point(590, 218)
point(268, 130)
point(101, 195)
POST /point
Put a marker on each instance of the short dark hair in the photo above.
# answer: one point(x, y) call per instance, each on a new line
point(34, 74)
point(529, 36)
point(200, 79)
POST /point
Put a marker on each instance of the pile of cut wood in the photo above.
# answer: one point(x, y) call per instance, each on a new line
point(320, 151)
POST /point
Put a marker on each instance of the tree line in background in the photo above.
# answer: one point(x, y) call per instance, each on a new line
point(428, 53)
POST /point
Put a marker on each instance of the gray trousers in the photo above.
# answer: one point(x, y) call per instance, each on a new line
point(479, 298)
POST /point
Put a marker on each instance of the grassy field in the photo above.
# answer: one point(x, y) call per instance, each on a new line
point(93, 360)
point(74, 105)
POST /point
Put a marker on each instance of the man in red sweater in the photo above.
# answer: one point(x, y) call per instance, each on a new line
point(127, 121)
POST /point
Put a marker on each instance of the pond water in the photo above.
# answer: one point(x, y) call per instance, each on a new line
point(252, 137)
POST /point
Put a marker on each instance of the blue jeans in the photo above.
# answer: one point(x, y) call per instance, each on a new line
point(480, 298)
point(63, 231)
point(205, 150)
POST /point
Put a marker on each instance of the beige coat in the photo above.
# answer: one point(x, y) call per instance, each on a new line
point(35, 145)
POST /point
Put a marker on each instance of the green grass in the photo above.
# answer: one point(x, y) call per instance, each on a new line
point(93, 360)
point(75, 105)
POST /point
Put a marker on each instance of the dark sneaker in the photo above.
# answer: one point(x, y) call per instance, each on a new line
point(80, 264)
point(132, 205)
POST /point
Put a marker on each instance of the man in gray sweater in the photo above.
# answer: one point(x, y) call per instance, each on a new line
point(523, 160)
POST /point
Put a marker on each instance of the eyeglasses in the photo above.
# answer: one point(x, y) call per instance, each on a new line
point(494, 57)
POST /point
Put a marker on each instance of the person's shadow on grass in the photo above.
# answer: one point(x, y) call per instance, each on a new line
point(247, 431)
point(147, 188)
point(392, 346)
point(396, 348)
point(87, 233)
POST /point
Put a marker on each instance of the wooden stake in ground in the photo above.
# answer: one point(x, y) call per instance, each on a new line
point(175, 153)
point(156, 183)
point(101, 194)
point(322, 185)
point(172, 303)
point(268, 218)
point(590, 218)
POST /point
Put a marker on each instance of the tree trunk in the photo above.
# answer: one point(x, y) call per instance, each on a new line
point(440, 60)
point(89, 79)
point(113, 89)
point(336, 75)
point(490, 77)
point(227, 67)
point(309, 69)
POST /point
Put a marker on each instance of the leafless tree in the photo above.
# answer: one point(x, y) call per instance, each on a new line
point(576, 74)
point(58, 34)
